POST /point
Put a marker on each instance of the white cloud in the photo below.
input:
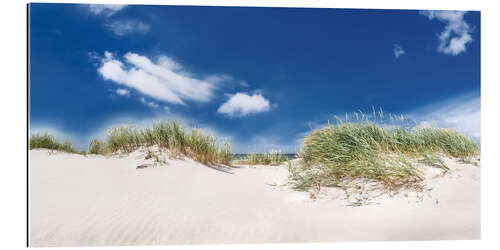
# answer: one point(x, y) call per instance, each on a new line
point(398, 51)
point(164, 80)
point(150, 104)
point(105, 9)
point(119, 27)
point(93, 56)
point(218, 78)
point(456, 34)
point(242, 104)
point(462, 113)
point(123, 92)
point(126, 27)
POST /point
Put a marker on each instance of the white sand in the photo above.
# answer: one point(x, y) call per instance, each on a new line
point(95, 201)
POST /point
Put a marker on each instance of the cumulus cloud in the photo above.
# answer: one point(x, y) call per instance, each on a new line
point(398, 51)
point(242, 104)
point(150, 104)
point(127, 27)
point(456, 34)
point(123, 92)
point(164, 80)
point(105, 9)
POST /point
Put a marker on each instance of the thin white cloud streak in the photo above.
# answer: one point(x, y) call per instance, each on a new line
point(123, 92)
point(456, 34)
point(128, 27)
point(241, 104)
point(105, 9)
point(150, 104)
point(164, 80)
point(118, 27)
point(398, 51)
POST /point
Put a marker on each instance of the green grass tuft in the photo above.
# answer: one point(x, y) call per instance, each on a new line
point(97, 147)
point(340, 153)
point(47, 141)
point(170, 135)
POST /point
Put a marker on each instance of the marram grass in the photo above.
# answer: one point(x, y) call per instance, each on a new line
point(97, 147)
point(170, 135)
point(47, 141)
point(335, 155)
point(341, 153)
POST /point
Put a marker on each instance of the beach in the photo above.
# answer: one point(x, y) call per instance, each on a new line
point(95, 200)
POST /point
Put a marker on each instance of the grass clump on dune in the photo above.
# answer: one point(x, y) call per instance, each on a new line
point(48, 141)
point(97, 147)
point(341, 153)
point(273, 157)
point(170, 135)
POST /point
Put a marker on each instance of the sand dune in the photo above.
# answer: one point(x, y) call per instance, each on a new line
point(80, 200)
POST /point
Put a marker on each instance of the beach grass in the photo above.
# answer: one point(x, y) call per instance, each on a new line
point(203, 148)
point(272, 157)
point(356, 149)
point(97, 147)
point(48, 141)
point(386, 151)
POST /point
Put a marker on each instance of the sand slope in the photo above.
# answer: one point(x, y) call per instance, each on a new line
point(94, 201)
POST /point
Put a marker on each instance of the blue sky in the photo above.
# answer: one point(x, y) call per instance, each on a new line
point(259, 77)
